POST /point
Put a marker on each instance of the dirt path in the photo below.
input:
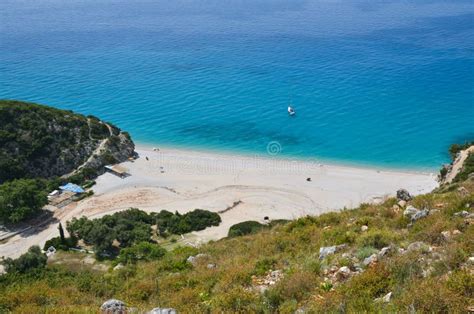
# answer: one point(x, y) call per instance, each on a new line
point(458, 164)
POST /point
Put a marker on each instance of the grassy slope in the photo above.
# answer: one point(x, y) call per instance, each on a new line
point(440, 280)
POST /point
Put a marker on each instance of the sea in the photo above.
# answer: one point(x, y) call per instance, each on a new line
point(381, 83)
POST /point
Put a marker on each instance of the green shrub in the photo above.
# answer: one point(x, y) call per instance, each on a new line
point(143, 251)
point(263, 266)
point(31, 260)
point(365, 252)
point(376, 238)
point(60, 244)
point(432, 296)
point(21, 199)
point(177, 223)
point(461, 282)
point(338, 235)
point(273, 298)
point(244, 228)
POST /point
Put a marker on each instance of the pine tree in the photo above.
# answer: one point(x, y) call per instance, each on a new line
point(61, 232)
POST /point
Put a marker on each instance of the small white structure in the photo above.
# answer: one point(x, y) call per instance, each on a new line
point(53, 194)
point(51, 251)
point(118, 170)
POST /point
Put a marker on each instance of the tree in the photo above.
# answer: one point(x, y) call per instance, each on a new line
point(33, 259)
point(21, 199)
point(61, 232)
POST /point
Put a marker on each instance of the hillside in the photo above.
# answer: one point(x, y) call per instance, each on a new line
point(404, 255)
point(42, 142)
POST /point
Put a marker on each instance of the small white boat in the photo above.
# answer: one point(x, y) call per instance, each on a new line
point(291, 111)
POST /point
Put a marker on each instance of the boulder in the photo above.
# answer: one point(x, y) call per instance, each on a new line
point(329, 250)
point(343, 273)
point(113, 306)
point(384, 251)
point(463, 213)
point(159, 310)
point(402, 203)
point(419, 246)
point(420, 214)
point(119, 266)
point(410, 211)
point(385, 299)
point(326, 250)
point(370, 260)
point(414, 213)
point(404, 195)
point(211, 266)
point(456, 232)
point(193, 259)
point(446, 235)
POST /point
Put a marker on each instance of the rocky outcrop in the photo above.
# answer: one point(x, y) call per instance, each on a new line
point(115, 149)
point(415, 213)
point(403, 195)
point(159, 310)
point(329, 250)
point(113, 306)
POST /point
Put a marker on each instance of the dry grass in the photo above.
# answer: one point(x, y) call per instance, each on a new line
point(292, 248)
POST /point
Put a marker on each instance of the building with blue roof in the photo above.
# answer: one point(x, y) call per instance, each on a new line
point(71, 187)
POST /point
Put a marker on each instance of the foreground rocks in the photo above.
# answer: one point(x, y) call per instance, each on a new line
point(158, 310)
point(329, 250)
point(415, 213)
point(262, 284)
point(404, 195)
point(193, 259)
point(114, 306)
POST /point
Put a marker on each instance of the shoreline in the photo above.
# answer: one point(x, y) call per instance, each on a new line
point(183, 180)
point(278, 158)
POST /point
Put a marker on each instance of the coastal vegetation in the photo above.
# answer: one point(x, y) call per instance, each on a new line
point(42, 147)
point(455, 151)
point(467, 169)
point(132, 228)
point(198, 219)
point(21, 199)
point(397, 256)
point(251, 227)
point(29, 262)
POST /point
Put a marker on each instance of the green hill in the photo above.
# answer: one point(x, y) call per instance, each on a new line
point(40, 141)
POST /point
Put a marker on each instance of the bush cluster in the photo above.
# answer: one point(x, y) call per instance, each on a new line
point(21, 199)
point(198, 219)
point(31, 260)
point(133, 226)
point(244, 228)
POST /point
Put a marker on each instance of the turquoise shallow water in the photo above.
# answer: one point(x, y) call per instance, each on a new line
point(375, 83)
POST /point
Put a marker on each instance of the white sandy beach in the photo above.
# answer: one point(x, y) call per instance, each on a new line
point(183, 180)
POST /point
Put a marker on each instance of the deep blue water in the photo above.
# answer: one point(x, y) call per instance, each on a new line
point(387, 83)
